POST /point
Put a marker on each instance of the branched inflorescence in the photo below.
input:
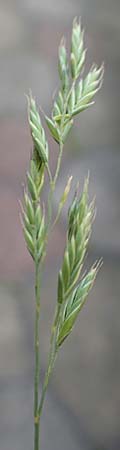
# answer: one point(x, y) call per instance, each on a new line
point(33, 213)
point(80, 217)
point(75, 94)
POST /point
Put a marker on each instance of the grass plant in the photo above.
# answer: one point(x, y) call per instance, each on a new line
point(75, 94)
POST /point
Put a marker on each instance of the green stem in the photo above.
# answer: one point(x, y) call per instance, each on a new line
point(51, 361)
point(49, 173)
point(37, 359)
point(61, 145)
point(50, 196)
point(52, 188)
point(46, 381)
point(53, 350)
point(58, 162)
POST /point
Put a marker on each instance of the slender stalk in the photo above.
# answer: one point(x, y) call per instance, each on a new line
point(52, 187)
point(46, 381)
point(51, 359)
point(61, 145)
point(53, 352)
point(58, 162)
point(51, 362)
point(49, 173)
point(36, 228)
point(37, 358)
point(50, 196)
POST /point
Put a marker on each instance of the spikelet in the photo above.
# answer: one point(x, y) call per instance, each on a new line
point(74, 303)
point(63, 68)
point(33, 224)
point(76, 96)
point(80, 219)
point(86, 89)
point(37, 131)
point(78, 53)
point(66, 192)
point(35, 179)
point(54, 129)
point(58, 107)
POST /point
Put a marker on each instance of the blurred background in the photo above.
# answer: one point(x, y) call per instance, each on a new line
point(82, 410)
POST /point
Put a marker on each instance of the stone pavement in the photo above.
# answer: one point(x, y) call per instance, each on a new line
point(83, 404)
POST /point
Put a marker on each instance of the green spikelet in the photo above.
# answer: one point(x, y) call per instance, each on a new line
point(80, 219)
point(37, 131)
point(86, 89)
point(63, 66)
point(71, 101)
point(75, 94)
point(58, 108)
point(29, 241)
point(40, 238)
point(32, 216)
point(78, 53)
point(38, 218)
point(32, 187)
point(60, 288)
point(67, 129)
point(74, 303)
point(29, 208)
point(53, 129)
point(37, 173)
point(33, 223)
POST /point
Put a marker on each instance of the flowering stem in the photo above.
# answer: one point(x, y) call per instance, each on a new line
point(50, 197)
point(51, 361)
point(58, 162)
point(47, 376)
point(61, 144)
point(37, 358)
